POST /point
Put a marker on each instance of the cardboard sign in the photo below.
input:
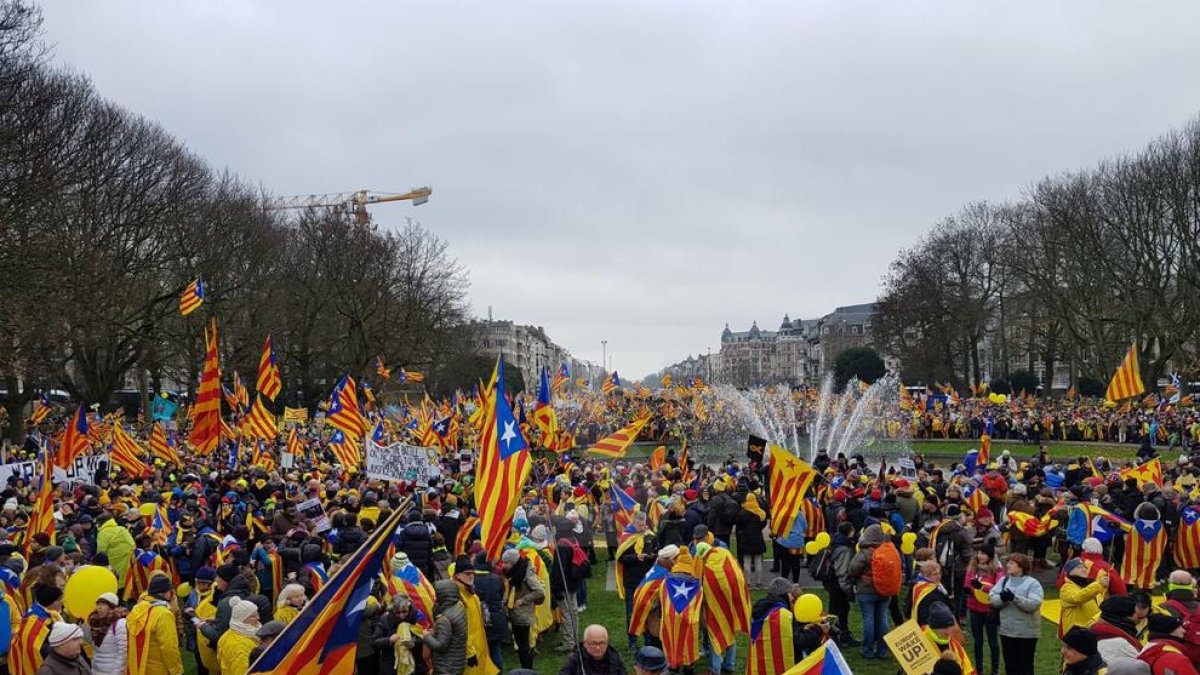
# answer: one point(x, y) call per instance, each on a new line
point(399, 461)
point(85, 469)
point(914, 651)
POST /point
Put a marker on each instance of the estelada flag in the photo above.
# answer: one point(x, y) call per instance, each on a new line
point(1144, 549)
point(824, 660)
point(681, 600)
point(1031, 525)
point(323, 638)
point(790, 477)
point(647, 589)
point(615, 444)
point(75, 439)
point(771, 650)
point(1187, 540)
point(162, 447)
point(726, 598)
point(1127, 381)
point(1149, 472)
point(192, 297)
point(658, 457)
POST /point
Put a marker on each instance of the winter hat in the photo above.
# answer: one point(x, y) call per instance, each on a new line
point(1118, 605)
point(651, 659)
point(946, 667)
point(206, 574)
point(53, 553)
point(779, 586)
point(670, 552)
point(47, 595)
point(481, 563)
point(1092, 545)
point(227, 572)
point(242, 610)
point(1162, 624)
point(463, 565)
point(510, 556)
point(269, 630)
point(984, 512)
point(62, 632)
point(538, 535)
point(110, 599)
point(1081, 640)
point(953, 511)
point(940, 616)
point(160, 584)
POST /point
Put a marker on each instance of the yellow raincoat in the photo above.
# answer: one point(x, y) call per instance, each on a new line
point(153, 640)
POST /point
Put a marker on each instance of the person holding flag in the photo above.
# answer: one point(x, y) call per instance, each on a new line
point(637, 554)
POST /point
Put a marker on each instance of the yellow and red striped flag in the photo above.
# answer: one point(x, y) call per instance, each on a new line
point(504, 466)
point(1187, 540)
point(261, 422)
point(344, 449)
point(1145, 546)
point(1150, 472)
point(344, 412)
point(205, 434)
point(163, 448)
point(294, 447)
point(299, 415)
point(41, 410)
point(1127, 381)
point(658, 457)
point(1031, 525)
point(384, 371)
point(268, 383)
point(726, 598)
point(262, 458)
point(616, 443)
point(241, 394)
point(126, 453)
point(192, 298)
point(42, 517)
point(414, 376)
point(75, 440)
point(790, 477)
point(611, 383)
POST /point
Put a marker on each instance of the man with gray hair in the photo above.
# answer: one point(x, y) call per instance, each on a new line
point(597, 657)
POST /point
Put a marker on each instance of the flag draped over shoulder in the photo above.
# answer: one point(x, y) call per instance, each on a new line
point(824, 660)
point(1127, 381)
point(647, 589)
point(323, 638)
point(681, 600)
point(75, 439)
point(205, 434)
point(504, 465)
point(616, 443)
point(771, 649)
point(726, 598)
point(1187, 540)
point(25, 656)
point(1150, 472)
point(790, 477)
point(1144, 549)
point(268, 383)
point(623, 507)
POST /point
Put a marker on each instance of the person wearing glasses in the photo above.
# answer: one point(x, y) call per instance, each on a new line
point(596, 657)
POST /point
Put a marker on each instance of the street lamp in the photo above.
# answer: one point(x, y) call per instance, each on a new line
point(604, 355)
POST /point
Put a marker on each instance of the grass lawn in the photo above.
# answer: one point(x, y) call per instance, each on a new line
point(605, 608)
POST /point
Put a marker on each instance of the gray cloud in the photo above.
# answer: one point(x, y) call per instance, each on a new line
point(644, 172)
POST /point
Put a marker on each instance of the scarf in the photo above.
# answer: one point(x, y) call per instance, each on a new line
point(751, 505)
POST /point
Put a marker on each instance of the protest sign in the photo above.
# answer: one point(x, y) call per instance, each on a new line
point(912, 649)
point(315, 513)
point(399, 461)
point(85, 469)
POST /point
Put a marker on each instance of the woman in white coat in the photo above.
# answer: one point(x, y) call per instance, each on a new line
point(108, 636)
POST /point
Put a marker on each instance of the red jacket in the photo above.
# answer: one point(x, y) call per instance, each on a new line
point(1165, 658)
point(1116, 585)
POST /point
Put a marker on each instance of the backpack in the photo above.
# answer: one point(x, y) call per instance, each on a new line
point(820, 567)
point(580, 567)
point(885, 570)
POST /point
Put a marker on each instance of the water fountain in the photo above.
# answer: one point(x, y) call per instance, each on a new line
point(852, 422)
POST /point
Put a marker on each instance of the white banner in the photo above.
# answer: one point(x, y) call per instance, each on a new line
point(398, 461)
point(84, 469)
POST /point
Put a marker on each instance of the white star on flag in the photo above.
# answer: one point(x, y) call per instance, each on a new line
point(681, 591)
point(508, 434)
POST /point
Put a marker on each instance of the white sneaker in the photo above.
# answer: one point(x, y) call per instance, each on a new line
point(580, 609)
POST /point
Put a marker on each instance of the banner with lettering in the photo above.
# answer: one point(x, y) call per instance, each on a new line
point(399, 461)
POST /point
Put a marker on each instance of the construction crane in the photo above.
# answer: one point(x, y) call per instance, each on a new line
point(350, 202)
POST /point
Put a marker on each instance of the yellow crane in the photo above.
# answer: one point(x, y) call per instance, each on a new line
point(351, 202)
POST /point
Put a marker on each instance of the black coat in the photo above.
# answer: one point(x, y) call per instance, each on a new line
point(750, 534)
point(611, 664)
point(671, 531)
point(722, 514)
point(417, 543)
point(489, 588)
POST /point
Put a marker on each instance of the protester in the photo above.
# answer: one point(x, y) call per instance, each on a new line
point(1018, 597)
point(66, 652)
point(109, 636)
point(448, 640)
point(596, 657)
point(1079, 653)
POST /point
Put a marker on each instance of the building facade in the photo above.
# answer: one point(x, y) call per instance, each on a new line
point(800, 352)
point(528, 349)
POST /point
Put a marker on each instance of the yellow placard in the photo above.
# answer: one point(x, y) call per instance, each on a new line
point(914, 651)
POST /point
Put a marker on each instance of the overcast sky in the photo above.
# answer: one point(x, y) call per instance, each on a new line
point(645, 171)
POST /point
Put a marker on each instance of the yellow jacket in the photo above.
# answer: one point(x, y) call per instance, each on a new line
point(286, 613)
point(207, 611)
point(155, 621)
point(233, 651)
point(477, 645)
point(1080, 604)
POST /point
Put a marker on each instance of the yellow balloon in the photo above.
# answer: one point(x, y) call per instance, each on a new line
point(808, 608)
point(908, 538)
point(822, 539)
point(86, 586)
point(146, 509)
point(908, 547)
point(812, 548)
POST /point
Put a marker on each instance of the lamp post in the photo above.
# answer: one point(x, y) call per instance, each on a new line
point(604, 355)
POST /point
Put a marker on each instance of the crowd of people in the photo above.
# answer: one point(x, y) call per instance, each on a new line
point(213, 557)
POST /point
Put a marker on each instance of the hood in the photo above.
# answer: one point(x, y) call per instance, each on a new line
point(767, 603)
point(445, 592)
point(872, 536)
